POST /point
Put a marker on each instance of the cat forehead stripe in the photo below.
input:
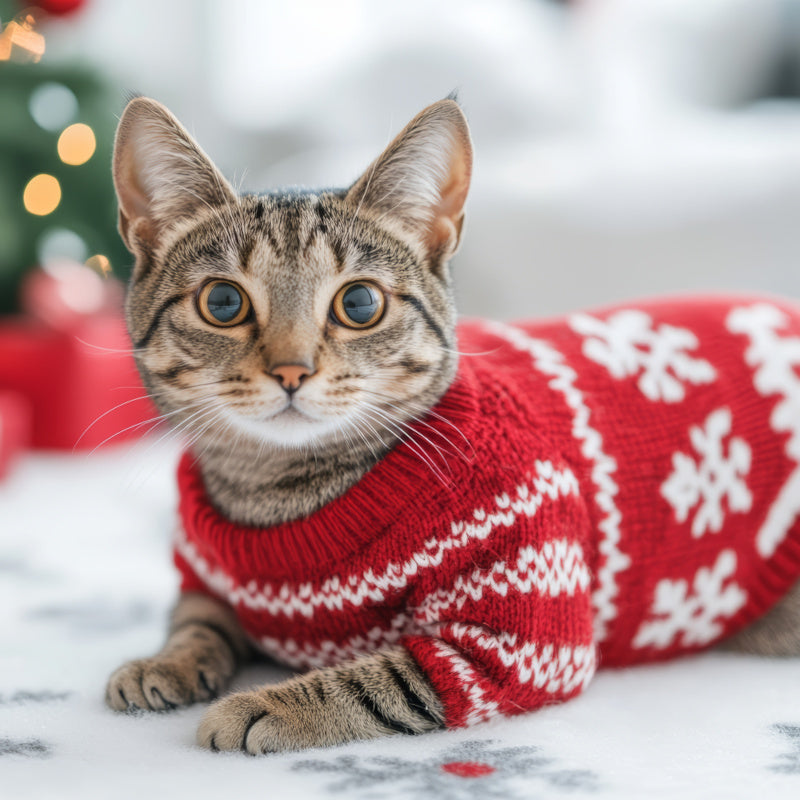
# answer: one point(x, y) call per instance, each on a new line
point(546, 483)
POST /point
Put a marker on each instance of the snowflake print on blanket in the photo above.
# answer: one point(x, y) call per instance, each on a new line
point(776, 358)
point(628, 344)
point(693, 615)
point(717, 475)
point(472, 769)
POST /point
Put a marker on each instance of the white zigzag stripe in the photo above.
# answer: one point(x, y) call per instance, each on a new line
point(557, 568)
point(551, 362)
point(304, 599)
point(322, 654)
point(480, 708)
point(556, 669)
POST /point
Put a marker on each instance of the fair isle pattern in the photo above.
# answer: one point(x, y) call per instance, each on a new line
point(310, 655)
point(629, 345)
point(775, 358)
point(557, 669)
point(702, 483)
point(337, 592)
point(557, 568)
point(479, 707)
point(550, 362)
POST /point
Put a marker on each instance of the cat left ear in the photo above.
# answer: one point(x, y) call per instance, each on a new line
point(422, 179)
point(161, 175)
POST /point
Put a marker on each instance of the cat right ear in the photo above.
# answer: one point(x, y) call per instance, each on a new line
point(422, 178)
point(160, 174)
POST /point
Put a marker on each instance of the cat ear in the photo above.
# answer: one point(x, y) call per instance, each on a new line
point(161, 175)
point(422, 178)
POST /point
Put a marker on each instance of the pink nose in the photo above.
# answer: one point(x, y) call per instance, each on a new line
point(290, 376)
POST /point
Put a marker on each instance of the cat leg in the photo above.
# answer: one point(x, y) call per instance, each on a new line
point(777, 633)
point(375, 695)
point(203, 649)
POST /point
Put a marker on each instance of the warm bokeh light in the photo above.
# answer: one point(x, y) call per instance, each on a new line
point(77, 144)
point(19, 41)
point(42, 195)
point(100, 264)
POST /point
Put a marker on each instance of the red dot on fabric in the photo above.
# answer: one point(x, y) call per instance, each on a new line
point(468, 769)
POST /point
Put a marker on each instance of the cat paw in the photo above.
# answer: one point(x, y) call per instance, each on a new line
point(162, 684)
point(253, 722)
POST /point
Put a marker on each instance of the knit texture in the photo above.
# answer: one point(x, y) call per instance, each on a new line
point(623, 484)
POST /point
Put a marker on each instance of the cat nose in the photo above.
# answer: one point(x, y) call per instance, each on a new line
point(290, 376)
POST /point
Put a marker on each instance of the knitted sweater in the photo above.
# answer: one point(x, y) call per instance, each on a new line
point(624, 483)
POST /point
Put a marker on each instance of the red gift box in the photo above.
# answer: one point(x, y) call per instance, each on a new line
point(15, 428)
point(78, 382)
point(70, 359)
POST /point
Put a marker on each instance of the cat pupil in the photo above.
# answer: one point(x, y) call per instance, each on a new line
point(224, 302)
point(360, 303)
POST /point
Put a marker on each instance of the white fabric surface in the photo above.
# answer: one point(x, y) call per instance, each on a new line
point(86, 582)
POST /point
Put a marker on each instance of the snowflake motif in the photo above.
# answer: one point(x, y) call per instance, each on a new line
point(708, 481)
point(472, 769)
point(693, 615)
point(627, 344)
point(789, 762)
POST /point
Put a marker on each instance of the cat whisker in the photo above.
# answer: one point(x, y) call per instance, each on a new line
point(105, 414)
point(407, 431)
point(414, 446)
point(128, 351)
point(418, 418)
point(154, 421)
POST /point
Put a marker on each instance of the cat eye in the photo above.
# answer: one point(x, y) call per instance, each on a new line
point(223, 304)
point(358, 305)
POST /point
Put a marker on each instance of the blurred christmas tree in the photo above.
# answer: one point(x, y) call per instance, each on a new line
point(56, 134)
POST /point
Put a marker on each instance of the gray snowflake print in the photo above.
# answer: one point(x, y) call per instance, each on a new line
point(472, 769)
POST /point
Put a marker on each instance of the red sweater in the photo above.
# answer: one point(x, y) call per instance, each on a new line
point(624, 483)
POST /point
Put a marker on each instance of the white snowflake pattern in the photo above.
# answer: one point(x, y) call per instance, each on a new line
point(693, 615)
point(708, 481)
point(775, 357)
point(627, 344)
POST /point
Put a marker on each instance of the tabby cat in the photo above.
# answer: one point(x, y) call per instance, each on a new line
point(295, 338)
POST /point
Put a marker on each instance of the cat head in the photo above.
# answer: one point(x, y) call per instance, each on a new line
point(292, 319)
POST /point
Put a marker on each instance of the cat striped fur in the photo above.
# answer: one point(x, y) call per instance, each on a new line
point(396, 227)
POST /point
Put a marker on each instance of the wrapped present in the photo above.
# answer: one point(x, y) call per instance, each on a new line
point(15, 428)
point(70, 357)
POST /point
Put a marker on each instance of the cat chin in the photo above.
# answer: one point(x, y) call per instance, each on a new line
point(288, 429)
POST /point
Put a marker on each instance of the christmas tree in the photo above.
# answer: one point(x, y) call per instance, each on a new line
point(56, 135)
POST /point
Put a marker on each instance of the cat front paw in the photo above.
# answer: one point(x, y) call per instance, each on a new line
point(266, 721)
point(246, 721)
point(163, 683)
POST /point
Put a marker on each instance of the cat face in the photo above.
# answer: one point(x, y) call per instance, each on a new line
point(292, 320)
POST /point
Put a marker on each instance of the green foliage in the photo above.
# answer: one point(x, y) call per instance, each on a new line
point(88, 206)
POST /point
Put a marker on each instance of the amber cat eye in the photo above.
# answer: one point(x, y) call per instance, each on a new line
point(223, 304)
point(358, 305)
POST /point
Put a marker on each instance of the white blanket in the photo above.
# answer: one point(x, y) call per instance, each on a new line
point(86, 582)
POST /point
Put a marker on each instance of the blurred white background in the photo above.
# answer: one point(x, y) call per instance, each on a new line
point(623, 147)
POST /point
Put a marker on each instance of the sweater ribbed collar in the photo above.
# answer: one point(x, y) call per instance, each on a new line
point(401, 487)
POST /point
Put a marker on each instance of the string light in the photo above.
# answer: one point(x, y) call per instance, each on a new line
point(100, 264)
point(77, 144)
point(42, 195)
point(20, 42)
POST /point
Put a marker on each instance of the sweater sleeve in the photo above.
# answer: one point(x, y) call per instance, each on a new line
point(511, 629)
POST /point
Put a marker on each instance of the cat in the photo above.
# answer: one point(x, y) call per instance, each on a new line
point(438, 521)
